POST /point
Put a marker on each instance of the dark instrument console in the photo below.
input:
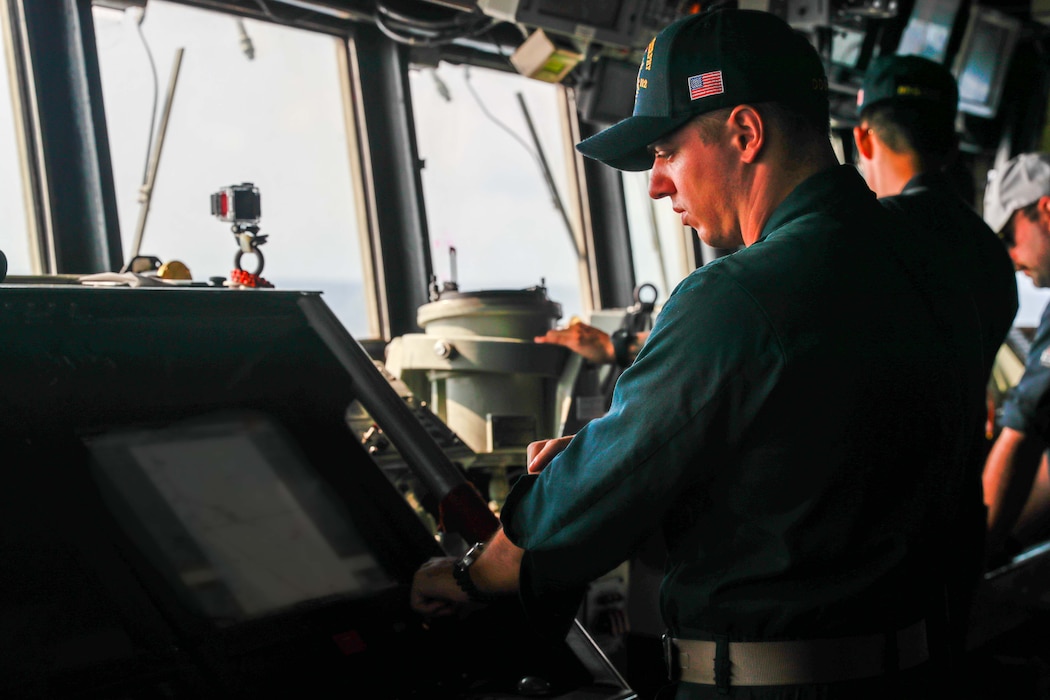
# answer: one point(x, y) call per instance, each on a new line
point(187, 513)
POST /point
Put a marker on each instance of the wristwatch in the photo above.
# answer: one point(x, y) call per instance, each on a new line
point(461, 572)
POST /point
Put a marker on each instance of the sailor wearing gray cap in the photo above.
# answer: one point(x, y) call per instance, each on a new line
point(1017, 207)
point(1019, 184)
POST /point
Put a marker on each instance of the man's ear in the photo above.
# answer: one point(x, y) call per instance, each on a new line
point(864, 138)
point(748, 131)
point(1043, 207)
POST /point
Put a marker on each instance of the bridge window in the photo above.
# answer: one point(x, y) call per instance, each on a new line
point(485, 191)
point(253, 102)
point(661, 246)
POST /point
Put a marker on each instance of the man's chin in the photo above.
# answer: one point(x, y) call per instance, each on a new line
point(709, 238)
point(722, 241)
point(706, 238)
point(1039, 280)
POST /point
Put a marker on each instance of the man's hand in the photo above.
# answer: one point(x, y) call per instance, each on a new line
point(1009, 474)
point(539, 454)
point(435, 592)
point(592, 344)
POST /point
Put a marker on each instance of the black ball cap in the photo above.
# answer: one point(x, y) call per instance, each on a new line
point(703, 62)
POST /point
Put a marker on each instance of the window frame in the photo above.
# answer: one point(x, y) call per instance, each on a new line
point(72, 217)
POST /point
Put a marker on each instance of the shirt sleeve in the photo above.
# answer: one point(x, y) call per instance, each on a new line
point(705, 370)
point(1027, 407)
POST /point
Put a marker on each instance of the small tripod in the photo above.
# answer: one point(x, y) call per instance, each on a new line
point(248, 241)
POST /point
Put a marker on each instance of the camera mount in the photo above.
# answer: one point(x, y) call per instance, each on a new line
point(242, 205)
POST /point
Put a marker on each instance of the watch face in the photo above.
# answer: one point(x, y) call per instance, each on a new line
point(461, 573)
point(472, 555)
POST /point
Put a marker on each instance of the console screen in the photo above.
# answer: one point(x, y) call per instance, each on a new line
point(234, 515)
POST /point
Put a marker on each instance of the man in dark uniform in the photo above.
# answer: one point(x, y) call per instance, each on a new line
point(1017, 205)
point(906, 142)
point(908, 145)
point(794, 424)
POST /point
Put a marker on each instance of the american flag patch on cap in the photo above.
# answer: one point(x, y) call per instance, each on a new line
point(705, 84)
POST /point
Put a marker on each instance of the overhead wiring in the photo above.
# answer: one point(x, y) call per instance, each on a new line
point(502, 52)
point(415, 31)
point(415, 37)
point(461, 20)
point(495, 120)
point(536, 153)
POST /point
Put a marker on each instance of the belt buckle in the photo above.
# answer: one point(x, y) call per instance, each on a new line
point(671, 660)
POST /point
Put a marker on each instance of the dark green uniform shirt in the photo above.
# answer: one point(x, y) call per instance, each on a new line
point(955, 243)
point(795, 425)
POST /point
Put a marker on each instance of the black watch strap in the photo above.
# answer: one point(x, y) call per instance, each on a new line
point(461, 572)
point(621, 342)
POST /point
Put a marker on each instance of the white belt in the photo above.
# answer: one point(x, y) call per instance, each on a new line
point(796, 662)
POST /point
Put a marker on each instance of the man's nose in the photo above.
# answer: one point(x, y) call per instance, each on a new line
point(659, 184)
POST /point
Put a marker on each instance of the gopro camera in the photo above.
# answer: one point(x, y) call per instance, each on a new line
point(240, 204)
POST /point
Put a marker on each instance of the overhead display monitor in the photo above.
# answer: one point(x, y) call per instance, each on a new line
point(929, 29)
point(983, 60)
point(608, 96)
point(850, 46)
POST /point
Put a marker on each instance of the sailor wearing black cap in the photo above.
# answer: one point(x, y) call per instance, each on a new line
point(793, 425)
point(907, 146)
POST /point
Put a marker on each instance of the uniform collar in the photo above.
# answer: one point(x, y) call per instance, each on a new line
point(927, 180)
point(828, 189)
